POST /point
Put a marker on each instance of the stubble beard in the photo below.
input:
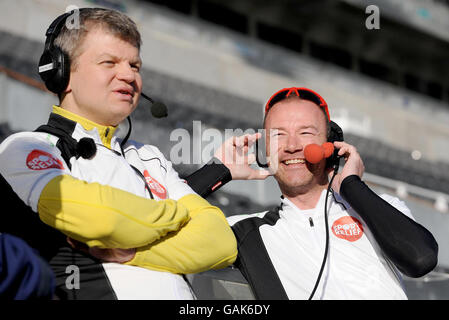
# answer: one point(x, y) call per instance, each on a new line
point(311, 178)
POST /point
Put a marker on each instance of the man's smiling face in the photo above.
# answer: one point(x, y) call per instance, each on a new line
point(291, 125)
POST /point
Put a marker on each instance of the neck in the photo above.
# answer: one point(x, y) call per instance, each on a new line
point(305, 197)
point(105, 132)
point(69, 104)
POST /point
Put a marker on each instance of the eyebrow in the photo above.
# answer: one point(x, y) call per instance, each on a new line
point(108, 55)
point(311, 126)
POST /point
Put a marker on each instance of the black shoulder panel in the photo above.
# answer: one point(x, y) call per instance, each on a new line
point(253, 259)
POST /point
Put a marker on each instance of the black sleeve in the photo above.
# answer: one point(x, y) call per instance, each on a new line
point(211, 177)
point(410, 246)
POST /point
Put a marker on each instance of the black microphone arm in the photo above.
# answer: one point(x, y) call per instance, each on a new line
point(158, 110)
point(146, 97)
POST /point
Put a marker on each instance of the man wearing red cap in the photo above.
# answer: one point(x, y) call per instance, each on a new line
point(328, 238)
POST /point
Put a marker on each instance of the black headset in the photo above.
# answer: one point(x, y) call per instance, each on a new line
point(54, 64)
point(335, 134)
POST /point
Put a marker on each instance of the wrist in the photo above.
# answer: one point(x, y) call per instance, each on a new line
point(210, 177)
point(350, 179)
point(348, 184)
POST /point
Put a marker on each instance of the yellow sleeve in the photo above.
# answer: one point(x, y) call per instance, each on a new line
point(205, 242)
point(107, 217)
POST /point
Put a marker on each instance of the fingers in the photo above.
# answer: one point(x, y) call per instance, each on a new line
point(353, 160)
point(345, 149)
point(113, 255)
point(257, 174)
point(75, 244)
point(242, 144)
point(246, 140)
point(108, 255)
point(235, 150)
point(251, 158)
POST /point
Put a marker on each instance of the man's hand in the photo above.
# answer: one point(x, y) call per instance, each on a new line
point(233, 153)
point(353, 164)
point(105, 255)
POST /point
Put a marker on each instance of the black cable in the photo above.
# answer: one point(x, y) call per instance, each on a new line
point(327, 235)
point(134, 168)
point(127, 135)
point(144, 180)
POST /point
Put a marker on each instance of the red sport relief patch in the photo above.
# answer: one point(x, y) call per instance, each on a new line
point(348, 228)
point(155, 186)
point(41, 160)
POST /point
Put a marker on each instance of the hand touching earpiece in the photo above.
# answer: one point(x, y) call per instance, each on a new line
point(233, 153)
point(353, 164)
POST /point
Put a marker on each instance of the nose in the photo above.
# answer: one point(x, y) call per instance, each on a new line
point(293, 144)
point(126, 73)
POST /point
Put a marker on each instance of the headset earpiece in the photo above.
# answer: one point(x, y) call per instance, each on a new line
point(54, 64)
point(261, 155)
point(335, 134)
point(57, 78)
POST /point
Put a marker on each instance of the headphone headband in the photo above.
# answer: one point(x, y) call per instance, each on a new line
point(55, 28)
point(54, 64)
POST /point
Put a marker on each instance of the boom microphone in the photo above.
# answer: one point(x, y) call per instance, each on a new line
point(158, 109)
point(315, 153)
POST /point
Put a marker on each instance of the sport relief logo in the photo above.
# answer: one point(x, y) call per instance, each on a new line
point(155, 186)
point(348, 228)
point(41, 160)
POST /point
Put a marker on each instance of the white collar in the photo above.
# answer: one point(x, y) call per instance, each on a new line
point(290, 211)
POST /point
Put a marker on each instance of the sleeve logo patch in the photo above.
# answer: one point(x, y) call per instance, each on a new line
point(155, 186)
point(41, 160)
point(348, 228)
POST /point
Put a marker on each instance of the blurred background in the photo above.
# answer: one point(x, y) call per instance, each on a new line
point(219, 61)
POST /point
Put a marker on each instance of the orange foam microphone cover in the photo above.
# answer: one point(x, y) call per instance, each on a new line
point(328, 149)
point(313, 153)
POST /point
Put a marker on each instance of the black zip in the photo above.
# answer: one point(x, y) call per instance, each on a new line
point(311, 221)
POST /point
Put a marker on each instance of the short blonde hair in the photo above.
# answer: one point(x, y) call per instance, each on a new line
point(70, 40)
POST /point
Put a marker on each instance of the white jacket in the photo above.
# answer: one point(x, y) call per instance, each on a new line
point(29, 160)
point(355, 266)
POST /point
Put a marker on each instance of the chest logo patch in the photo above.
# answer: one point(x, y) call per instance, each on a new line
point(155, 186)
point(41, 160)
point(348, 228)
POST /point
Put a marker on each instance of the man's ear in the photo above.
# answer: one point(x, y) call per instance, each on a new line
point(64, 93)
point(68, 89)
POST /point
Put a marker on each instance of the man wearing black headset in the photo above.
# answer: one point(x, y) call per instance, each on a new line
point(100, 195)
point(328, 238)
